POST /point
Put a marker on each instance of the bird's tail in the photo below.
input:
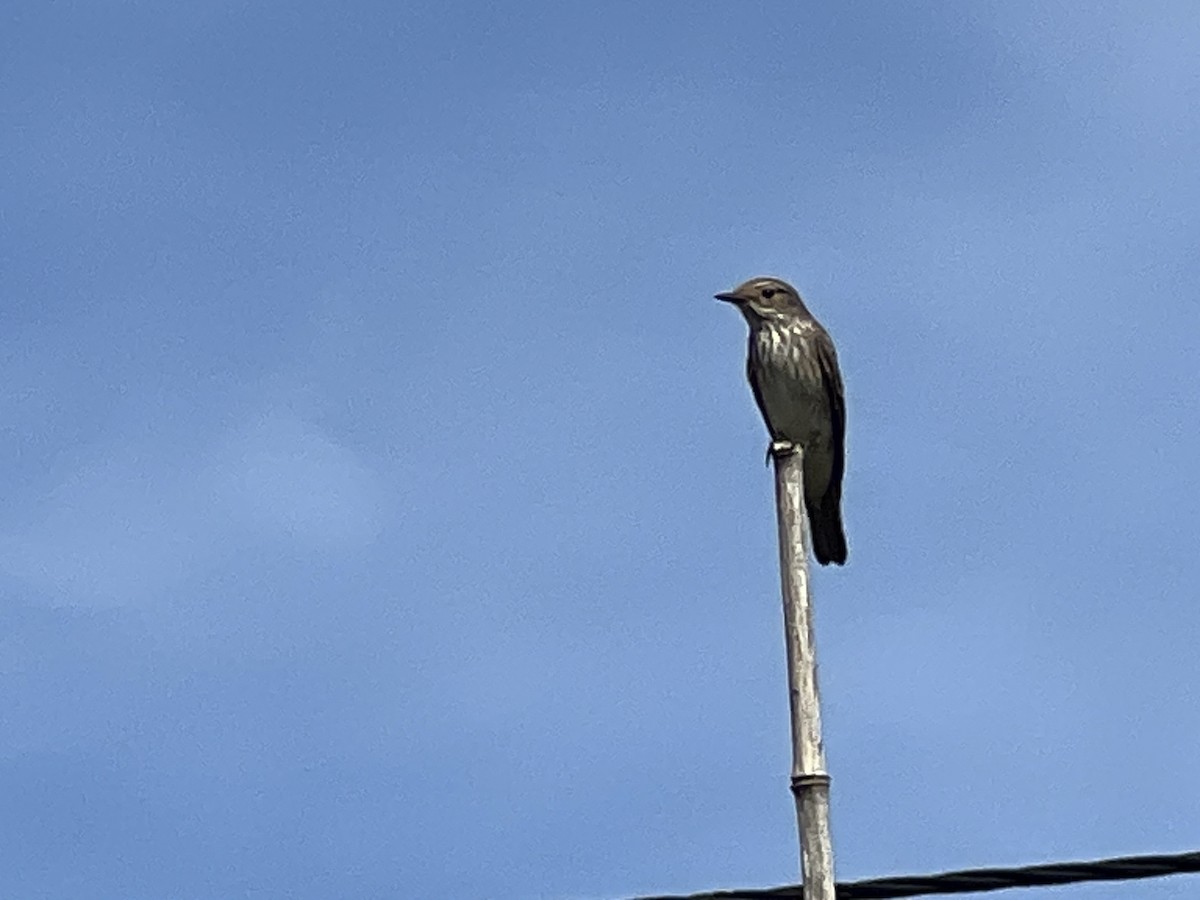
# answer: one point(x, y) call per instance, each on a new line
point(828, 538)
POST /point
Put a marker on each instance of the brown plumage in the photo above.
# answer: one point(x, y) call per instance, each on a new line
point(793, 372)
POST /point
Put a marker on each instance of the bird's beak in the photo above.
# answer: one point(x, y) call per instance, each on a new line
point(729, 297)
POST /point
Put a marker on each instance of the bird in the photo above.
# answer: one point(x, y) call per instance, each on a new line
point(793, 371)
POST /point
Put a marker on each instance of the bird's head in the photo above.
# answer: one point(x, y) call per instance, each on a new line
point(762, 299)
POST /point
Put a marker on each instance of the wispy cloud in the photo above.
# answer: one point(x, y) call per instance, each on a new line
point(136, 520)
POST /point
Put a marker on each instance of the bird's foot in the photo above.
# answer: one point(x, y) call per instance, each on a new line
point(778, 450)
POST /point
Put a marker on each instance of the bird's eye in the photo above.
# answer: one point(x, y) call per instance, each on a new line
point(768, 293)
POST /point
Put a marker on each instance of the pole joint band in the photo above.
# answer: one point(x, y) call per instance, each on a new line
point(815, 779)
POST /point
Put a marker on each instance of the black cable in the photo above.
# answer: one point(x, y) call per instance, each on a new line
point(965, 881)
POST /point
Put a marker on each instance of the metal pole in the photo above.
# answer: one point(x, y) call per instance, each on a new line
point(810, 781)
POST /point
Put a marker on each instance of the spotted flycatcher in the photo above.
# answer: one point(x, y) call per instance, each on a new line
point(793, 371)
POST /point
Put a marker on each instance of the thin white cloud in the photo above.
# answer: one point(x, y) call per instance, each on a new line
point(280, 475)
point(127, 526)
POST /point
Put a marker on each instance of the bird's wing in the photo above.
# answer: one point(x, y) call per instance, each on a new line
point(831, 378)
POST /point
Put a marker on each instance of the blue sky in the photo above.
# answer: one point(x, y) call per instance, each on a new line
point(383, 505)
